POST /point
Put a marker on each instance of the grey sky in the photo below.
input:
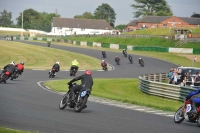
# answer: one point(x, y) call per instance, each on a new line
point(70, 8)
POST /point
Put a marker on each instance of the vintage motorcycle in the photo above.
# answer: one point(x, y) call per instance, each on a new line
point(184, 112)
point(5, 77)
point(80, 99)
point(52, 73)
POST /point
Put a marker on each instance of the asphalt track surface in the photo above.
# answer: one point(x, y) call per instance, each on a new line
point(26, 106)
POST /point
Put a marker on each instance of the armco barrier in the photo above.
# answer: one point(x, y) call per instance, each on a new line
point(196, 51)
point(151, 84)
point(120, 46)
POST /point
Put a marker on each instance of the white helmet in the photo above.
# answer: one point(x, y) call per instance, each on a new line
point(13, 63)
point(57, 62)
point(139, 58)
point(102, 61)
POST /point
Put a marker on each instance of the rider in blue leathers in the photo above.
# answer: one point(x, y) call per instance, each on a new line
point(195, 101)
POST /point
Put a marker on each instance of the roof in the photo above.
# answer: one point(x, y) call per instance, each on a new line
point(81, 23)
point(154, 19)
point(195, 21)
point(133, 23)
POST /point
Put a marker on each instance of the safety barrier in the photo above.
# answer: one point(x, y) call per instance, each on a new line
point(153, 84)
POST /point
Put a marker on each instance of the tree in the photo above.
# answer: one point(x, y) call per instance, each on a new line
point(105, 12)
point(30, 19)
point(120, 27)
point(36, 20)
point(5, 19)
point(151, 7)
point(195, 15)
point(85, 15)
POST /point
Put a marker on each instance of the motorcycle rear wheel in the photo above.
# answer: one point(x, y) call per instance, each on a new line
point(64, 102)
point(179, 116)
point(79, 106)
point(198, 121)
point(3, 78)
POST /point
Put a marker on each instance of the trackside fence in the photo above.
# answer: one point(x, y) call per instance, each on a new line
point(154, 84)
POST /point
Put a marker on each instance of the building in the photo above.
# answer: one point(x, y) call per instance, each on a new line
point(163, 21)
point(76, 26)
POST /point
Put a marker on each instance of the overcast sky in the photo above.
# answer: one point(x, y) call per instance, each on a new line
point(70, 8)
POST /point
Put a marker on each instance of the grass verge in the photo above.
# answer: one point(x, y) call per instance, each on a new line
point(124, 90)
point(36, 57)
point(7, 130)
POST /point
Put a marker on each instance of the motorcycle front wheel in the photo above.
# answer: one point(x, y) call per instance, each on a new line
point(198, 121)
point(64, 102)
point(81, 104)
point(179, 116)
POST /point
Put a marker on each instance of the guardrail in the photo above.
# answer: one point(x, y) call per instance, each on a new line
point(152, 84)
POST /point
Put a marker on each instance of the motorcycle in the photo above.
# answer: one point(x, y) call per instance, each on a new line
point(15, 74)
point(104, 55)
point(49, 43)
point(52, 73)
point(73, 72)
point(184, 112)
point(141, 62)
point(131, 60)
point(125, 54)
point(5, 77)
point(80, 99)
point(118, 62)
point(105, 68)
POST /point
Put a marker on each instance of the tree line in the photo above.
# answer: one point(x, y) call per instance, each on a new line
point(33, 19)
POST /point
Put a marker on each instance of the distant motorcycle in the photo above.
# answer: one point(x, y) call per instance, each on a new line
point(5, 76)
point(141, 62)
point(52, 73)
point(104, 54)
point(105, 68)
point(118, 62)
point(125, 54)
point(49, 43)
point(73, 72)
point(80, 99)
point(184, 112)
point(130, 59)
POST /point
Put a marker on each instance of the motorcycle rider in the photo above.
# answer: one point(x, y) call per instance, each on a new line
point(86, 82)
point(56, 66)
point(103, 63)
point(195, 101)
point(20, 67)
point(130, 58)
point(140, 59)
point(103, 53)
point(117, 59)
point(124, 51)
point(10, 68)
point(74, 65)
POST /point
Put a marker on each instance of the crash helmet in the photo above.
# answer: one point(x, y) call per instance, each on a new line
point(88, 72)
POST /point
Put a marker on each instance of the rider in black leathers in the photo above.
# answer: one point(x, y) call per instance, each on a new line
point(130, 58)
point(56, 66)
point(86, 82)
point(103, 53)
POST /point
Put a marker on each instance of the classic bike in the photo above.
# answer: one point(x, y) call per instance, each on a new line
point(141, 62)
point(15, 74)
point(184, 112)
point(73, 72)
point(52, 73)
point(125, 54)
point(105, 68)
point(48, 43)
point(79, 102)
point(5, 76)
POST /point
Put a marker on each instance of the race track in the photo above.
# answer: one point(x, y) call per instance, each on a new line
point(27, 106)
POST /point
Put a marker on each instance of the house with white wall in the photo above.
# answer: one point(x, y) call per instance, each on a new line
point(76, 26)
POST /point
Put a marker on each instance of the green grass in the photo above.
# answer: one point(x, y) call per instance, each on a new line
point(8, 130)
point(161, 31)
point(124, 90)
point(37, 57)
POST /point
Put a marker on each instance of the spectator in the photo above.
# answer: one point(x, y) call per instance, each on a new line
point(170, 74)
point(197, 79)
point(180, 76)
point(187, 79)
point(174, 77)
